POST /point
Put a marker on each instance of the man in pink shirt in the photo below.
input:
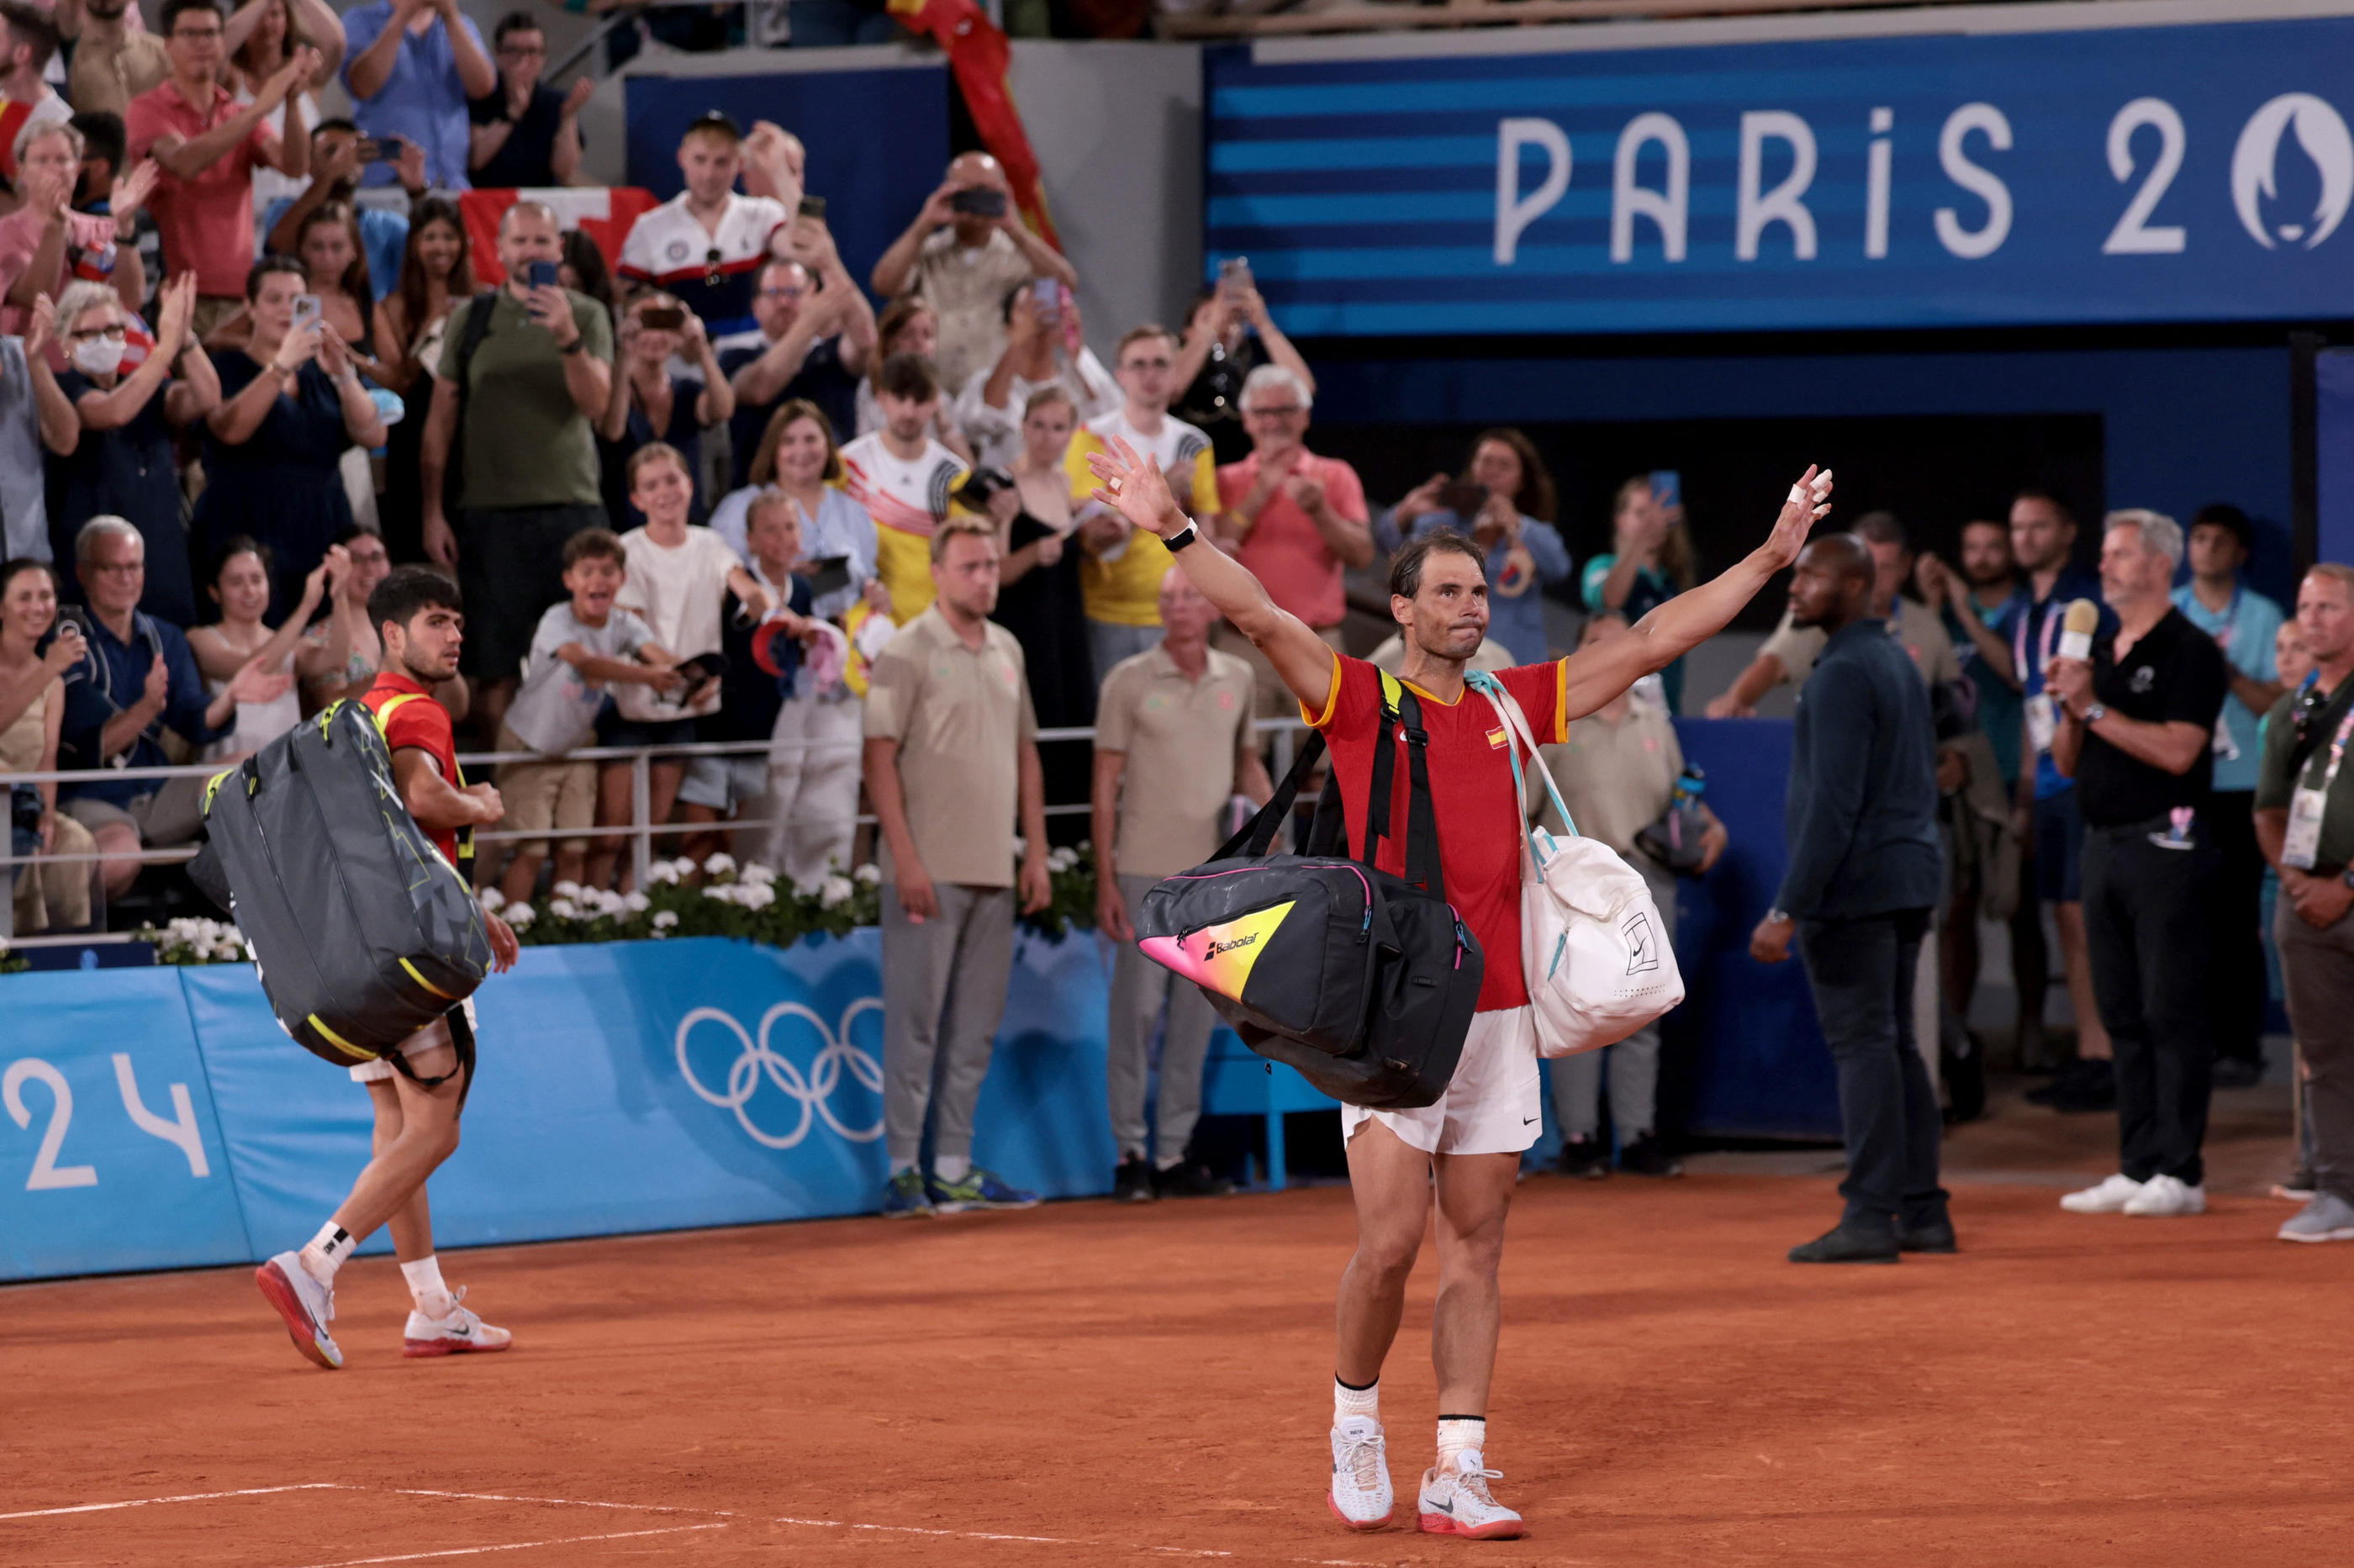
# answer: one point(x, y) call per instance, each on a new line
point(208, 148)
point(1298, 521)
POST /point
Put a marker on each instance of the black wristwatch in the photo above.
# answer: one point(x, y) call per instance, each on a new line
point(575, 346)
point(1179, 539)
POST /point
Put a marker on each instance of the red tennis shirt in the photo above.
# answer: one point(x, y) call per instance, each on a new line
point(1473, 797)
point(424, 725)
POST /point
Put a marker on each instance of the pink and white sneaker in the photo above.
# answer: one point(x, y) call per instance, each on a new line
point(456, 1332)
point(1456, 1502)
point(306, 1304)
point(1361, 1496)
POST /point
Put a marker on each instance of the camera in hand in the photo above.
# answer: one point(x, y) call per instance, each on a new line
point(979, 201)
point(981, 484)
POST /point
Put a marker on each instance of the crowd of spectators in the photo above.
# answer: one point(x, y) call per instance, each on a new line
point(703, 490)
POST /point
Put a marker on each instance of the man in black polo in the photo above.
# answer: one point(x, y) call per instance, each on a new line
point(1865, 866)
point(2135, 731)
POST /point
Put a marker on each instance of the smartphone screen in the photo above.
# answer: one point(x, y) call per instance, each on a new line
point(813, 207)
point(306, 310)
point(1047, 293)
point(1667, 487)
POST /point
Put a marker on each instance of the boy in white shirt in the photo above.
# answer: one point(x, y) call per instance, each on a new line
point(581, 646)
point(678, 577)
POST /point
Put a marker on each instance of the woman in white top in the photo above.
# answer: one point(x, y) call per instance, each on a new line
point(240, 585)
point(412, 315)
point(259, 40)
point(57, 896)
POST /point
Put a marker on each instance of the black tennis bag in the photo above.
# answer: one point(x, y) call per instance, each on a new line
point(1364, 982)
point(363, 933)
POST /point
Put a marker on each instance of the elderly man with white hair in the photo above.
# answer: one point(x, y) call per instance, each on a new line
point(2135, 732)
point(1298, 521)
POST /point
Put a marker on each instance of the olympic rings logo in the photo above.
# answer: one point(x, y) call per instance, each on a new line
point(757, 1061)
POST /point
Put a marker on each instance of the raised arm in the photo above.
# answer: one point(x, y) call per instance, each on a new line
point(894, 270)
point(1136, 488)
point(1595, 674)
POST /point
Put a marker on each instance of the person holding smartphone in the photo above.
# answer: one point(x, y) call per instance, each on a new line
point(516, 394)
point(1504, 503)
point(966, 250)
point(292, 402)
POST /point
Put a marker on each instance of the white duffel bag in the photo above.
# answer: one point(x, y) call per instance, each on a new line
point(1594, 951)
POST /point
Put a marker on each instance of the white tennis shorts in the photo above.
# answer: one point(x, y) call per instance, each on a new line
point(381, 1069)
point(1493, 1104)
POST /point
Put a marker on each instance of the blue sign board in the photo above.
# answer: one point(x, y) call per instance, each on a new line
point(2186, 172)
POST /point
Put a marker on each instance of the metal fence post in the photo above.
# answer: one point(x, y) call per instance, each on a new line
point(641, 857)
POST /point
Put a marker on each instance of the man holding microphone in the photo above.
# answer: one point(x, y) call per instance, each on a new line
point(2135, 728)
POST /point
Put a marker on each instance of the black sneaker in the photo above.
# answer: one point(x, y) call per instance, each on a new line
point(1583, 1157)
point(2094, 1088)
point(1851, 1241)
point(1191, 1179)
point(1647, 1156)
point(1131, 1182)
point(2237, 1073)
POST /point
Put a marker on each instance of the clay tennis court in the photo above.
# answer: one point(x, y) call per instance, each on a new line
point(1089, 1384)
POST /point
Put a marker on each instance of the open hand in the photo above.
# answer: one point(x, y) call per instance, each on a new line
point(1808, 504)
point(132, 190)
point(253, 683)
point(1134, 486)
point(578, 99)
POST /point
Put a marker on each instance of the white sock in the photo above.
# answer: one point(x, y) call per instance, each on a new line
point(326, 1250)
point(1458, 1435)
point(952, 1167)
point(425, 1286)
point(1347, 1402)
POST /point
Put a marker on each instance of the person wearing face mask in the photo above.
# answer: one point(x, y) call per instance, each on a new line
point(292, 402)
point(648, 404)
point(45, 243)
point(119, 463)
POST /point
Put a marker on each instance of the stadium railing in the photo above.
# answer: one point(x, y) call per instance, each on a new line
point(641, 830)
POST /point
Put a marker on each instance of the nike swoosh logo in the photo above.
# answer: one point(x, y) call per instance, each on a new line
point(1529, 1121)
point(1445, 1508)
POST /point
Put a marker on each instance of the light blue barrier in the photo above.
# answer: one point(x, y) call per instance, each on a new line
point(631, 1087)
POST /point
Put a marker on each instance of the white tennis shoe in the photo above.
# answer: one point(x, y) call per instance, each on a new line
point(306, 1304)
point(1361, 1496)
point(2167, 1196)
point(2110, 1196)
point(455, 1334)
point(1457, 1502)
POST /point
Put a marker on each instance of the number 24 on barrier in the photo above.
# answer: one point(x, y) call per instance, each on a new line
point(47, 1174)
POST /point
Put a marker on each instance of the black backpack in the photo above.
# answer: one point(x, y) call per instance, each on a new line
point(1364, 981)
point(363, 933)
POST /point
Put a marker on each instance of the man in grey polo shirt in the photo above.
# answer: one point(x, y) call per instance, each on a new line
point(951, 754)
point(1173, 746)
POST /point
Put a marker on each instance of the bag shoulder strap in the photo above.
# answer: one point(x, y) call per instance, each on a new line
point(1402, 716)
point(479, 311)
point(1516, 724)
point(1257, 835)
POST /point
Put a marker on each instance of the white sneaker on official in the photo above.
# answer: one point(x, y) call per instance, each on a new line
point(1456, 1502)
point(305, 1304)
point(1361, 1496)
point(455, 1332)
point(2110, 1197)
point(2167, 1196)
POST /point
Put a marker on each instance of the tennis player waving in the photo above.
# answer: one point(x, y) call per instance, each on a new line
point(1465, 1150)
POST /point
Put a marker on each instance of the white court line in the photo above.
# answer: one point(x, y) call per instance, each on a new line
point(518, 1545)
point(847, 1524)
point(724, 1515)
point(186, 1496)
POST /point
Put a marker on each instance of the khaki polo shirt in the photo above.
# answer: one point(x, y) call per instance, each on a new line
point(959, 717)
point(1920, 629)
point(1182, 738)
point(1614, 777)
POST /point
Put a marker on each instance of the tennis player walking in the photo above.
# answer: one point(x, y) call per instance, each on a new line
point(1464, 1152)
point(417, 1102)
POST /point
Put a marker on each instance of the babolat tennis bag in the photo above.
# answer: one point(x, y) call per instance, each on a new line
point(1364, 982)
point(363, 933)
